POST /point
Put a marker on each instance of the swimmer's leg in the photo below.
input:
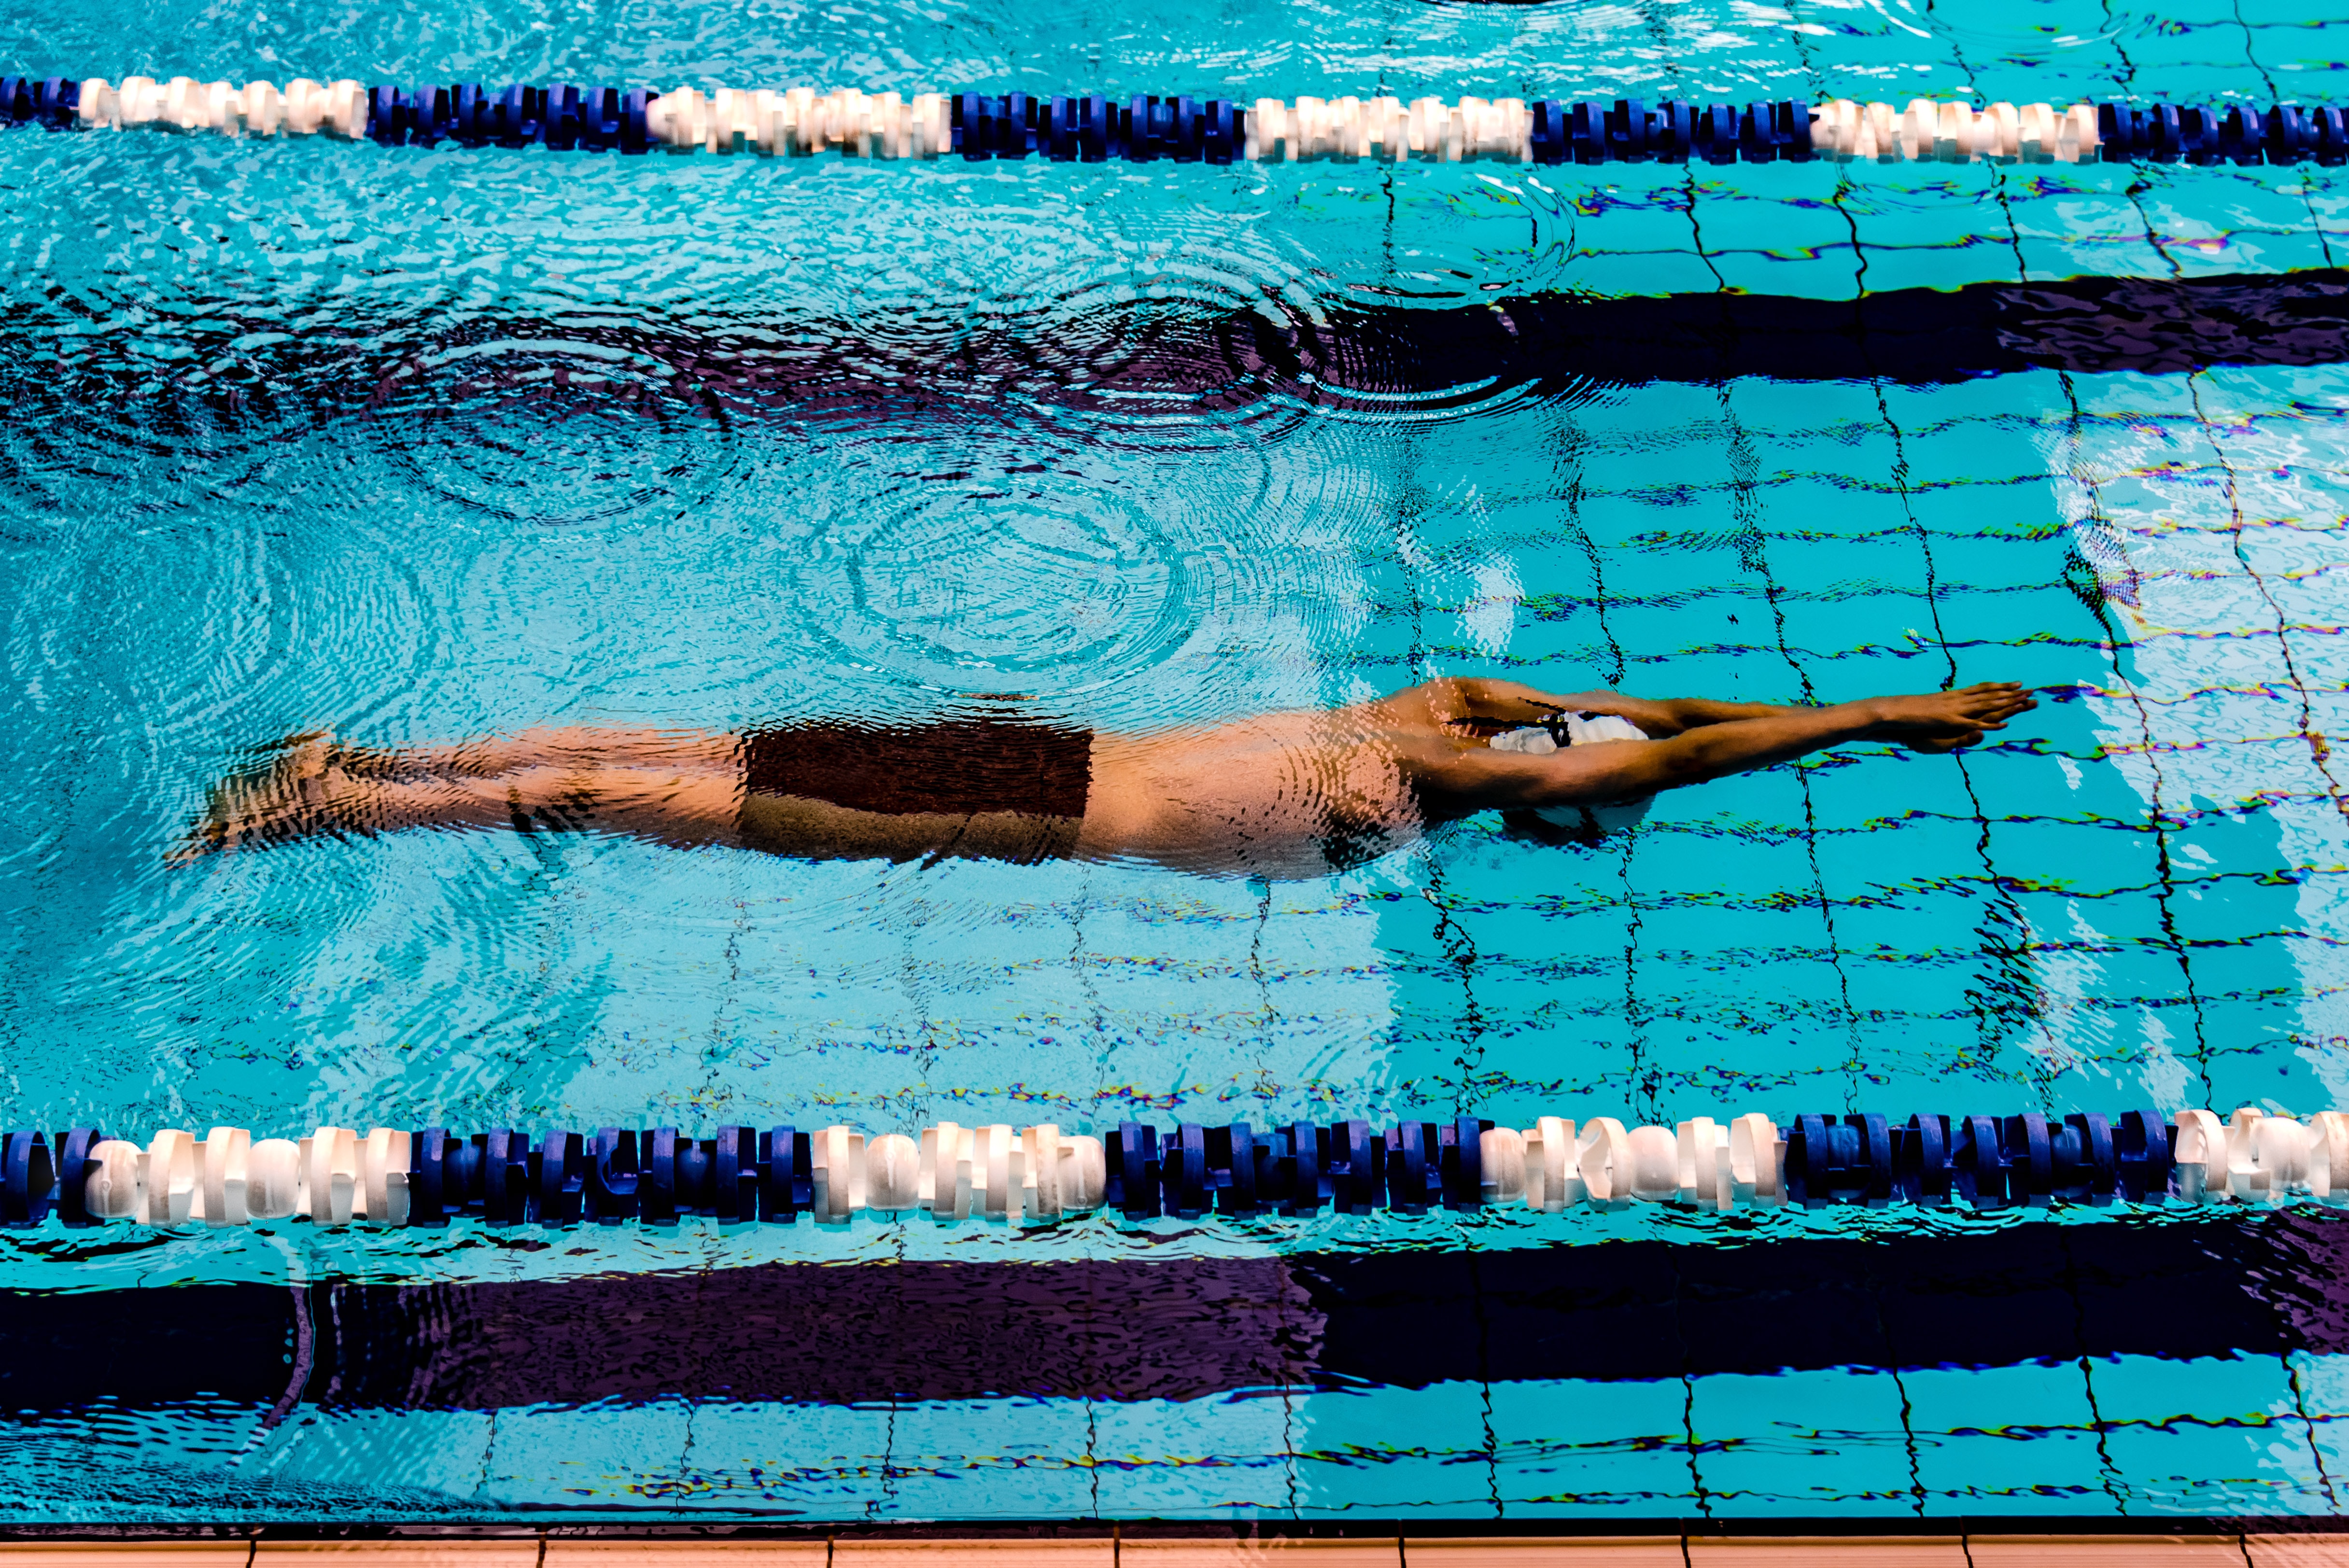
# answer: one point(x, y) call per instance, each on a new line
point(679, 787)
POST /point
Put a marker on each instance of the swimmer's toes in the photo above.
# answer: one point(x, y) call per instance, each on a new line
point(223, 827)
point(205, 838)
point(284, 783)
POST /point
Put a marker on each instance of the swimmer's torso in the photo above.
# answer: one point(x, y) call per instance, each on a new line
point(1280, 794)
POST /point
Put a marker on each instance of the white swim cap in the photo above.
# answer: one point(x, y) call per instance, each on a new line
point(1582, 730)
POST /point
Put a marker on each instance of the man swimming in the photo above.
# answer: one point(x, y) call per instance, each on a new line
point(1291, 794)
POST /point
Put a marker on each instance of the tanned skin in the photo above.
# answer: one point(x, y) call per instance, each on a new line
point(1267, 795)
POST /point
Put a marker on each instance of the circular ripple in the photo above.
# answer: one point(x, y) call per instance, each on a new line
point(544, 434)
point(1038, 582)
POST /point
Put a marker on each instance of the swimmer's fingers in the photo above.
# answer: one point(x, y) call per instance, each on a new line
point(2002, 698)
point(1953, 720)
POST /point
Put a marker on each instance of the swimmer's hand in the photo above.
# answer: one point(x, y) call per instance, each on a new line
point(1940, 722)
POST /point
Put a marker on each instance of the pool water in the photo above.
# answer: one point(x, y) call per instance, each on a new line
point(413, 446)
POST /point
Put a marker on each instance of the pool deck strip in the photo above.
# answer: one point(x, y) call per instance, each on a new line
point(2216, 1550)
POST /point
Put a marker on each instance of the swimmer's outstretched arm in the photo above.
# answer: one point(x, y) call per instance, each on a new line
point(1481, 705)
point(1625, 769)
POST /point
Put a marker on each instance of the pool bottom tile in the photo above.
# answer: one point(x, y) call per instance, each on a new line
point(1397, 1452)
point(1804, 1443)
point(1226, 1458)
point(1573, 1448)
point(2212, 1435)
point(2000, 1439)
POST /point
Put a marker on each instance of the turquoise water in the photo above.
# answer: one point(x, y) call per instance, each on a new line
point(290, 453)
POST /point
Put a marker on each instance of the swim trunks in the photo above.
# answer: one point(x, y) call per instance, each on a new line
point(965, 788)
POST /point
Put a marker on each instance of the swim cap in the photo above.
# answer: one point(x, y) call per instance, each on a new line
point(1583, 729)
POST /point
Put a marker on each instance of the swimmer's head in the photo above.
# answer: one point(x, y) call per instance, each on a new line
point(1582, 824)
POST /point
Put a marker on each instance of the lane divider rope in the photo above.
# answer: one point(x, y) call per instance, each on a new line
point(391, 1176)
point(801, 121)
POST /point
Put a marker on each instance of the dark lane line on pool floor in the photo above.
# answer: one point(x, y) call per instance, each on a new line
point(1156, 356)
point(2263, 1283)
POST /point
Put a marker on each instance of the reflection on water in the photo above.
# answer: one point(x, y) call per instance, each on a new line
point(411, 446)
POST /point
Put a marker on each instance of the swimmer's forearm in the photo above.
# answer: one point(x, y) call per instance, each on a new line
point(1718, 749)
point(1930, 721)
point(1694, 712)
point(1623, 770)
point(1660, 719)
point(1512, 702)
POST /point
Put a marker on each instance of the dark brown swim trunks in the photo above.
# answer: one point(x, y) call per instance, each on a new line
point(966, 788)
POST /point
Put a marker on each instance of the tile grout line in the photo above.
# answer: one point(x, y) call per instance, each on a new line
point(2091, 489)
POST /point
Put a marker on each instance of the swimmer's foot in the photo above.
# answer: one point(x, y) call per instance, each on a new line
point(302, 784)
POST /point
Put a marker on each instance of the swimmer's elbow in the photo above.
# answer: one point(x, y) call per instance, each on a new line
point(1656, 766)
point(1676, 766)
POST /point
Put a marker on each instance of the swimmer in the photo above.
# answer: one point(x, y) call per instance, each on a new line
point(1294, 794)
